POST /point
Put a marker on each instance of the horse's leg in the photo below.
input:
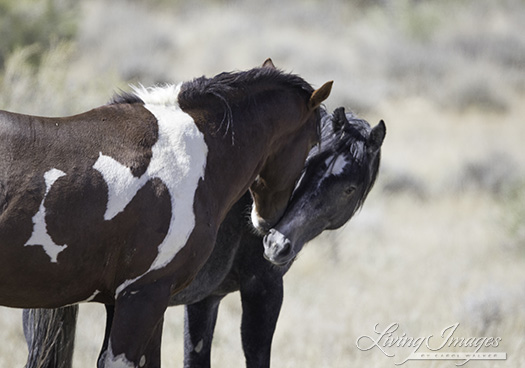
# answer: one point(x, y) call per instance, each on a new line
point(152, 353)
point(110, 312)
point(262, 297)
point(137, 320)
point(199, 324)
point(50, 336)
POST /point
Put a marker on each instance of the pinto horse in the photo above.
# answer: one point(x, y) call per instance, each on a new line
point(122, 204)
point(336, 180)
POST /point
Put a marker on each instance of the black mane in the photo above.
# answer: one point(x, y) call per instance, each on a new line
point(232, 85)
point(344, 134)
point(227, 85)
point(123, 97)
point(227, 88)
point(338, 141)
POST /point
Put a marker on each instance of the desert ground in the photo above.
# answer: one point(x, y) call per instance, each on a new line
point(439, 242)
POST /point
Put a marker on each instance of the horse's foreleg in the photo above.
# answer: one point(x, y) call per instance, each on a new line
point(199, 324)
point(137, 326)
point(261, 303)
point(152, 353)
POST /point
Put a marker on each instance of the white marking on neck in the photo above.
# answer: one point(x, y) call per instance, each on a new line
point(40, 235)
point(178, 160)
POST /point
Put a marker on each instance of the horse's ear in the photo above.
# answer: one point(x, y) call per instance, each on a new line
point(376, 137)
point(268, 63)
point(339, 119)
point(319, 95)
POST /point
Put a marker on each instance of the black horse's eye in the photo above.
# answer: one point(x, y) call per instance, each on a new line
point(349, 191)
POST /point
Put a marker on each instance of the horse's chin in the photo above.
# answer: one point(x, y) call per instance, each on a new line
point(280, 263)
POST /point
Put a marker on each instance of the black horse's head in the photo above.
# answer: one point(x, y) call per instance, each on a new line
point(334, 184)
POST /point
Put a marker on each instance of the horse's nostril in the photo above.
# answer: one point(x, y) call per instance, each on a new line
point(267, 242)
point(286, 249)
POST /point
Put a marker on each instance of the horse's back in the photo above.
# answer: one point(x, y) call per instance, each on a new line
point(125, 132)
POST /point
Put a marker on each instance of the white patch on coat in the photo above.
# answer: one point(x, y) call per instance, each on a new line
point(112, 361)
point(178, 160)
point(92, 296)
point(142, 361)
point(122, 185)
point(161, 95)
point(199, 346)
point(40, 235)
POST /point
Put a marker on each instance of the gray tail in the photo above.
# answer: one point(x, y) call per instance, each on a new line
point(50, 336)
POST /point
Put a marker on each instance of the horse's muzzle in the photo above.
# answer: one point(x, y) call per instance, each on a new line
point(278, 248)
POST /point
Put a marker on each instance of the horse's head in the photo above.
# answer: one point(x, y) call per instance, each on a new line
point(299, 131)
point(334, 184)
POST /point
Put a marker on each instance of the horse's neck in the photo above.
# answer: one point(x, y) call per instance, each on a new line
point(242, 151)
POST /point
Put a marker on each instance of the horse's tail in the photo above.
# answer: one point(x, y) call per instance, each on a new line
point(50, 336)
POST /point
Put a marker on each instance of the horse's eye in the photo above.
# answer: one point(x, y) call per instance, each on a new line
point(349, 191)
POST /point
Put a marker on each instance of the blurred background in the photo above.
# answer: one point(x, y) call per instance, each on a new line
point(441, 238)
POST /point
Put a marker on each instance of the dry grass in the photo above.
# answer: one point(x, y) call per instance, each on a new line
point(441, 238)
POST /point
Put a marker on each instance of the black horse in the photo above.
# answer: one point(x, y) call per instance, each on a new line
point(338, 175)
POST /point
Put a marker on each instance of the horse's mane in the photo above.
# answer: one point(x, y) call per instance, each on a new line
point(225, 86)
point(224, 89)
point(232, 85)
point(351, 139)
point(357, 130)
point(123, 97)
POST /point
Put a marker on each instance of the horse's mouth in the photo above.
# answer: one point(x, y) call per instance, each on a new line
point(278, 249)
point(284, 263)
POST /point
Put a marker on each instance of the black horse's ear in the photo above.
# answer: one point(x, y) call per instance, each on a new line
point(339, 119)
point(376, 137)
point(268, 63)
